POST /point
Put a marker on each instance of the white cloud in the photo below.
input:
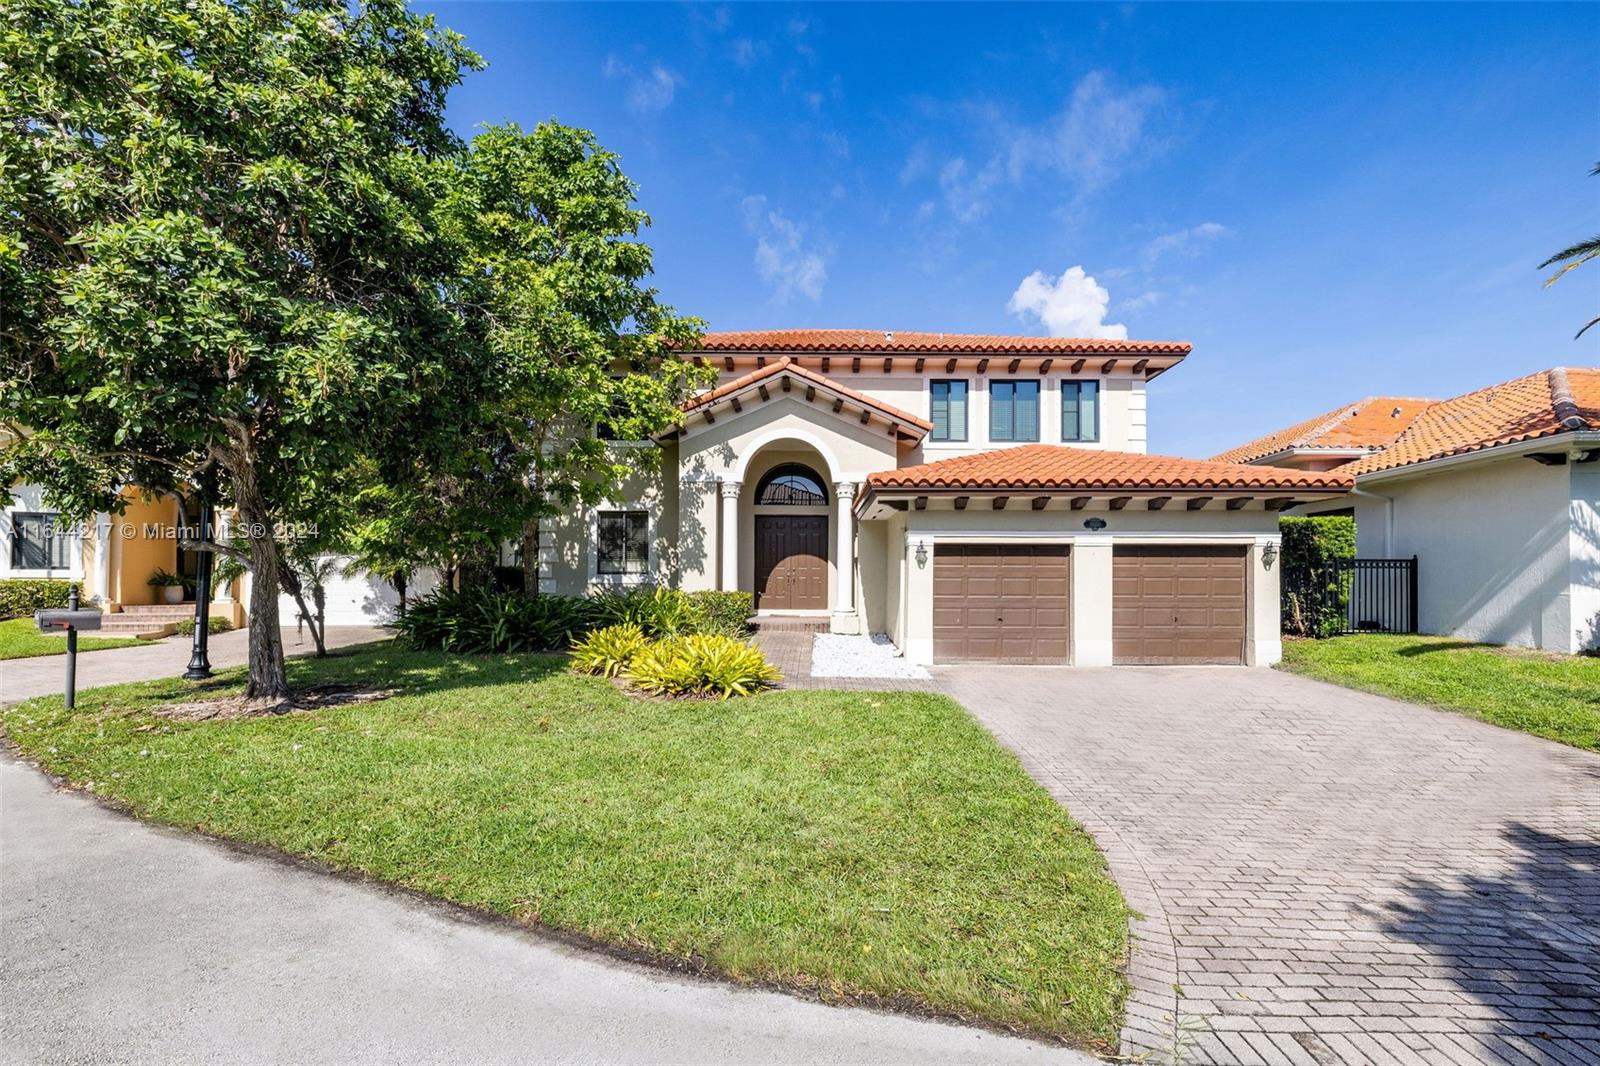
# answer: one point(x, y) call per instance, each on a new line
point(1073, 305)
point(1185, 241)
point(1142, 301)
point(747, 53)
point(649, 90)
point(1098, 134)
point(786, 260)
point(968, 194)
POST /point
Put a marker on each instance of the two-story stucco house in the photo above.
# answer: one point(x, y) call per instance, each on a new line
point(973, 497)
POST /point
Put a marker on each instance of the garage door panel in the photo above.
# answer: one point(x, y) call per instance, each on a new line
point(1178, 604)
point(1000, 602)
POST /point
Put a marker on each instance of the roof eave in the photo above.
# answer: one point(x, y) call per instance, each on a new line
point(1580, 439)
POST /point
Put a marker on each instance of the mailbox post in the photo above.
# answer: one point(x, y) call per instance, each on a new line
point(72, 619)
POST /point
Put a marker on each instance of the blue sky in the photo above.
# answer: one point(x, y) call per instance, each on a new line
point(1328, 201)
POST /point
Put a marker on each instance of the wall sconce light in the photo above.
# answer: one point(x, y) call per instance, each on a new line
point(922, 555)
point(1268, 554)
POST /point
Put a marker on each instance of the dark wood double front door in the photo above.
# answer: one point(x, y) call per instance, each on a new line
point(791, 562)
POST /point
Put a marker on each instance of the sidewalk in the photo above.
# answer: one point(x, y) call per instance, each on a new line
point(41, 675)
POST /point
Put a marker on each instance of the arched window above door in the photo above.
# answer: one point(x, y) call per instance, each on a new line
point(793, 485)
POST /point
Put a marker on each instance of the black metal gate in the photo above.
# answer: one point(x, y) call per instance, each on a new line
point(1339, 596)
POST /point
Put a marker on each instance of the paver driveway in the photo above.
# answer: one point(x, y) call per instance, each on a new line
point(1326, 876)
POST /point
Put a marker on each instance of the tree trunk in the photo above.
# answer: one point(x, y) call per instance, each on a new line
point(268, 679)
point(316, 623)
point(267, 675)
point(530, 557)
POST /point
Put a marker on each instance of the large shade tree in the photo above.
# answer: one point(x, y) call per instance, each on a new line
point(580, 352)
point(218, 257)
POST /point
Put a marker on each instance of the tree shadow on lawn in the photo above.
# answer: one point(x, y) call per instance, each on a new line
point(1522, 941)
point(382, 664)
point(1423, 648)
point(393, 665)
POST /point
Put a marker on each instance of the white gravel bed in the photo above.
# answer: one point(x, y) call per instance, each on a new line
point(841, 655)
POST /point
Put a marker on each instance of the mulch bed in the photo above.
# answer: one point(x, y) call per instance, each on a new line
point(314, 698)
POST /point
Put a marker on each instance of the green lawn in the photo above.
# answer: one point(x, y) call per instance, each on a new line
point(1552, 696)
point(864, 846)
point(20, 639)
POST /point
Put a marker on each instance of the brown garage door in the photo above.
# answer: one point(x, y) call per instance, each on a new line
point(1000, 603)
point(1177, 605)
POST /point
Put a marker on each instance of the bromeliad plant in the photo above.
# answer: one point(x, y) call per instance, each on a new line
point(702, 666)
point(608, 651)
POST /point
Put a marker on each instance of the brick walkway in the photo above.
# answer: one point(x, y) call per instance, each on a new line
point(1325, 876)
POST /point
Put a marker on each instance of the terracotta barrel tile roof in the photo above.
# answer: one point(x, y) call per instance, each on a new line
point(787, 365)
point(1371, 423)
point(1055, 466)
point(1561, 400)
point(893, 341)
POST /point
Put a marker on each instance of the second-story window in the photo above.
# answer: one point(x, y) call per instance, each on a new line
point(1080, 410)
point(1014, 410)
point(948, 410)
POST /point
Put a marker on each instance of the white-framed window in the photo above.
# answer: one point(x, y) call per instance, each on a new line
point(622, 544)
point(40, 542)
point(1080, 411)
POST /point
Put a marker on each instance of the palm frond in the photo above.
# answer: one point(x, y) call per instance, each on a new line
point(1587, 249)
point(1586, 326)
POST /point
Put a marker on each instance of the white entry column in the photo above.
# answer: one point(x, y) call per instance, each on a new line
point(844, 618)
point(728, 535)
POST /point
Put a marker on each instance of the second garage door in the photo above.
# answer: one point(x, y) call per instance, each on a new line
point(1000, 603)
point(1178, 604)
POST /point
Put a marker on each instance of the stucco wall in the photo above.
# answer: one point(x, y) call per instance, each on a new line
point(1493, 544)
point(1122, 406)
point(567, 563)
point(1585, 556)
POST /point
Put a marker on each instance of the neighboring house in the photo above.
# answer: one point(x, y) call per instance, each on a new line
point(973, 497)
point(112, 557)
point(1497, 494)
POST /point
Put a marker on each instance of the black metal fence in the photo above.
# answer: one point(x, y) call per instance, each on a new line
point(1341, 596)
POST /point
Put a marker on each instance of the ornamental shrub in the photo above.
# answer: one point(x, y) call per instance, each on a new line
point(482, 620)
point(608, 651)
point(20, 597)
point(1315, 592)
point(705, 665)
point(724, 613)
point(214, 625)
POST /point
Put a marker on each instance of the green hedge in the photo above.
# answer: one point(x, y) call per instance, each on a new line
point(20, 597)
point(1315, 596)
point(483, 619)
point(214, 624)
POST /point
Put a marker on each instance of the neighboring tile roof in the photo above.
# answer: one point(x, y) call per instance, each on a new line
point(1371, 423)
point(790, 366)
point(891, 341)
point(1055, 466)
point(1561, 400)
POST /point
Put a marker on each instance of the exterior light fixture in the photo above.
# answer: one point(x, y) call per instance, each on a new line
point(1268, 554)
point(922, 555)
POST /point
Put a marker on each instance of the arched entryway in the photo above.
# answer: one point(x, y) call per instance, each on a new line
point(790, 506)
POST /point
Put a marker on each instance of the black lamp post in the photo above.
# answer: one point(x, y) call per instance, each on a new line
point(199, 658)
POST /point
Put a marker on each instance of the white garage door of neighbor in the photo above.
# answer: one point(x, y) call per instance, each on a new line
point(359, 600)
